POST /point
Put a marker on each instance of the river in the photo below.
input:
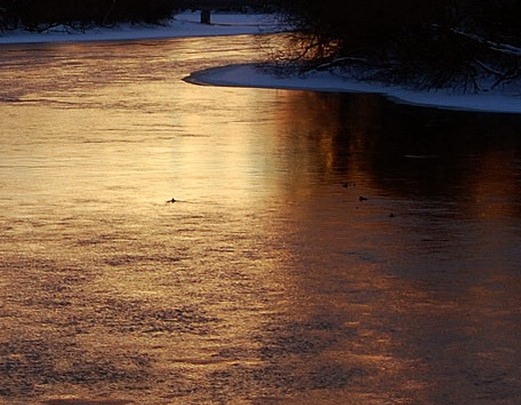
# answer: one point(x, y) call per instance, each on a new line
point(322, 248)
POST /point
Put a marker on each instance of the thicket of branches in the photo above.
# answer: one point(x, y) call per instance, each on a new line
point(41, 14)
point(432, 43)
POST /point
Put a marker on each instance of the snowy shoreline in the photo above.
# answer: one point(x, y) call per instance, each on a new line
point(249, 75)
point(188, 24)
point(183, 25)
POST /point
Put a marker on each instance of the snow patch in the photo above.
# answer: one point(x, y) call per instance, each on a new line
point(504, 100)
point(183, 25)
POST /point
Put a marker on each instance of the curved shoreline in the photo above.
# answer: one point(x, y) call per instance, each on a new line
point(250, 75)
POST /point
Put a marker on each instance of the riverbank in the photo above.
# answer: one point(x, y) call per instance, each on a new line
point(506, 99)
point(183, 25)
point(499, 100)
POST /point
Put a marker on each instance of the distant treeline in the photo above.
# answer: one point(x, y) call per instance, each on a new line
point(434, 43)
point(39, 14)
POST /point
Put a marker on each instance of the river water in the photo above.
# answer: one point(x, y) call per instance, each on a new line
point(322, 249)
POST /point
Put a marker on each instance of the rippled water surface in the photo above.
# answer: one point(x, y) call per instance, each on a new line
point(323, 249)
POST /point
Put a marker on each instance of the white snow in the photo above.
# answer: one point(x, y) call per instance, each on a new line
point(499, 100)
point(183, 25)
point(506, 100)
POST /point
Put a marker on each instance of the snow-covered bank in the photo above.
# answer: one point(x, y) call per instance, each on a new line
point(183, 25)
point(498, 100)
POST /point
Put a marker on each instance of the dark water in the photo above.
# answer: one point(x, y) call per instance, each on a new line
point(269, 280)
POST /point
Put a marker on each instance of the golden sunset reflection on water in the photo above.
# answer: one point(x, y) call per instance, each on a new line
point(322, 248)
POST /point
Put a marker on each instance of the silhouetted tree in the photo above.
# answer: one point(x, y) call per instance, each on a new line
point(433, 42)
point(39, 14)
point(8, 15)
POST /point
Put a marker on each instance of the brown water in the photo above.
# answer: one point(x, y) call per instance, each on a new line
point(269, 280)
